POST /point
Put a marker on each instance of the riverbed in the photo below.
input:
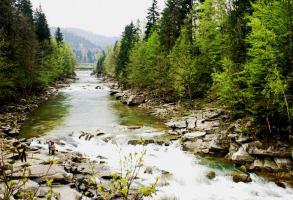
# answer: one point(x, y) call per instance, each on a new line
point(83, 107)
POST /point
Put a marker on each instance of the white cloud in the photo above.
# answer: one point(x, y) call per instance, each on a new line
point(106, 17)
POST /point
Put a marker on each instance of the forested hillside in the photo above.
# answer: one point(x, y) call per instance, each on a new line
point(239, 52)
point(30, 58)
point(86, 45)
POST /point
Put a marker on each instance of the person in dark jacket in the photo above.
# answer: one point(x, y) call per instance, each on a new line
point(50, 147)
point(22, 153)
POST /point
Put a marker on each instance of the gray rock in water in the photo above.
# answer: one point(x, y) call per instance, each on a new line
point(211, 175)
point(241, 177)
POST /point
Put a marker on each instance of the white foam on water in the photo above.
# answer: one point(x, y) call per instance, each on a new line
point(187, 177)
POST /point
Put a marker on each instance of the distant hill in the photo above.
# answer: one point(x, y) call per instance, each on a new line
point(86, 45)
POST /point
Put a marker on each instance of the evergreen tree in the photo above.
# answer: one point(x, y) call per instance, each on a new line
point(101, 63)
point(173, 17)
point(41, 26)
point(111, 59)
point(142, 68)
point(238, 30)
point(25, 7)
point(59, 36)
point(129, 37)
point(152, 18)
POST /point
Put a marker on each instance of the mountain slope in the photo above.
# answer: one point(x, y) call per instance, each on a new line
point(86, 45)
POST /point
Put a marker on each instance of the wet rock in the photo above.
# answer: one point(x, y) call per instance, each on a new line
point(194, 135)
point(134, 127)
point(241, 156)
point(243, 168)
point(211, 175)
point(241, 177)
point(135, 100)
point(113, 92)
point(280, 184)
point(118, 95)
point(139, 142)
point(98, 87)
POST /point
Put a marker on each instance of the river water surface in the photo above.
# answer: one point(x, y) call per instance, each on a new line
point(81, 107)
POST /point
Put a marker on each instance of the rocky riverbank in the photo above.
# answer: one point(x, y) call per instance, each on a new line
point(69, 173)
point(208, 130)
point(13, 115)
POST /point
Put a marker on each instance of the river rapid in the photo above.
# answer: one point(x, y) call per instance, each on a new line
point(82, 107)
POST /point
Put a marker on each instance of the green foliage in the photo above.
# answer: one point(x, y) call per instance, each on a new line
point(260, 88)
point(58, 36)
point(173, 17)
point(122, 184)
point(41, 26)
point(128, 40)
point(142, 66)
point(101, 63)
point(241, 52)
point(152, 18)
point(29, 61)
point(111, 59)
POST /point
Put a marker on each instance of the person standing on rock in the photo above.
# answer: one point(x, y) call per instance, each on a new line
point(23, 153)
point(50, 147)
point(53, 148)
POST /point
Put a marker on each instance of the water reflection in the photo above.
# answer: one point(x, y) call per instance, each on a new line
point(49, 115)
point(133, 116)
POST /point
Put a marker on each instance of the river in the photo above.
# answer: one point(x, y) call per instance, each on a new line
point(82, 107)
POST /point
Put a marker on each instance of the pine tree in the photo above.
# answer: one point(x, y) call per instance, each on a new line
point(152, 18)
point(173, 18)
point(128, 40)
point(59, 36)
point(25, 7)
point(41, 26)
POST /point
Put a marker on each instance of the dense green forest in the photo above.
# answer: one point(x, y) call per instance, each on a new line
point(30, 59)
point(239, 52)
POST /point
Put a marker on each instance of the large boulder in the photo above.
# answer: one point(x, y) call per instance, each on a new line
point(270, 165)
point(270, 152)
point(194, 135)
point(242, 157)
point(54, 172)
point(176, 124)
point(284, 163)
point(135, 100)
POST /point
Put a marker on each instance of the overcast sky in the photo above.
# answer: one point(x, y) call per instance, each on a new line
point(105, 17)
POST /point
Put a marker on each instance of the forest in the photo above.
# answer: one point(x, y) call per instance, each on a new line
point(30, 58)
point(238, 53)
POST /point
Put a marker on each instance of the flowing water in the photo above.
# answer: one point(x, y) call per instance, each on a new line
point(81, 107)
